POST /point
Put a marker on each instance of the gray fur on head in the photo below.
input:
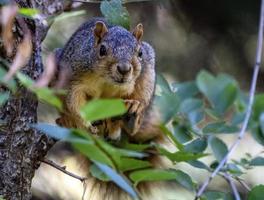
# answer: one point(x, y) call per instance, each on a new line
point(80, 53)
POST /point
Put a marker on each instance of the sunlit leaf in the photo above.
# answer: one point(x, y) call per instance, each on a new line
point(162, 175)
point(181, 156)
point(65, 16)
point(93, 152)
point(44, 94)
point(102, 108)
point(28, 12)
point(127, 164)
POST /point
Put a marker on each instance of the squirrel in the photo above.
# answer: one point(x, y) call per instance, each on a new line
point(107, 61)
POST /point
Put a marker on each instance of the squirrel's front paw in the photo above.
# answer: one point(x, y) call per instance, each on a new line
point(132, 120)
point(110, 128)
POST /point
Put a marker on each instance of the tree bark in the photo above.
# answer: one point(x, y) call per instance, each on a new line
point(22, 147)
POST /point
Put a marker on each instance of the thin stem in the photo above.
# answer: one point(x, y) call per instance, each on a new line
point(228, 178)
point(242, 182)
point(63, 169)
point(249, 108)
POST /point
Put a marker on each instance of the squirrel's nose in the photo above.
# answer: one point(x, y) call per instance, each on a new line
point(123, 68)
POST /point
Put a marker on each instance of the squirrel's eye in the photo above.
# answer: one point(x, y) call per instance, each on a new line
point(140, 53)
point(103, 50)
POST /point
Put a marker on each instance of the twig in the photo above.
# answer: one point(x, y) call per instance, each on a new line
point(63, 169)
point(228, 178)
point(242, 182)
point(249, 108)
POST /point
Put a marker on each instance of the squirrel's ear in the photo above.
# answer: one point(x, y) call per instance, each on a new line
point(100, 30)
point(138, 32)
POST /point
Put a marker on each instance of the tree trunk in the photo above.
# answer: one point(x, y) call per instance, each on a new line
point(22, 147)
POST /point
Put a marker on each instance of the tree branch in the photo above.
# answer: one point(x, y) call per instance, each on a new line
point(242, 182)
point(250, 104)
point(228, 178)
point(63, 169)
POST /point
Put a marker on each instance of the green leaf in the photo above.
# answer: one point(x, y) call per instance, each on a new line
point(163, 84)
point(57, 132)
point(118, 179)
point(162, 175)
point(219, 127)
point(4, 96)
point(168, 104)
point(261, 123)
point(48, 95)
point(215, 195)
point(198, 164)
point(185, 90)
point(25, 80)
point(98, 109)
point(44, 94)
point(258, 106)
point(180, 156)
point(257, 134)
point(93, 152)
point(28, 12)
point(234, 169)
point(258, 161)
point(71, 14)
point(167, 101)
point(97, 173)
point(115, 13)
point(218, 147)
point(11, 84)
point(127, 164)
point(196, 146)
point(169, 134)
point(181, 132)
point(193, 109)
point(221, 91)
point(256, 193)
point(135, 147)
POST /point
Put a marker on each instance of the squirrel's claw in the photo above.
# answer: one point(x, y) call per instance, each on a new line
point(132, 121)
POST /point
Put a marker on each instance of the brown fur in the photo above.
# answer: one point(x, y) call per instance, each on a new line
point(136, 88)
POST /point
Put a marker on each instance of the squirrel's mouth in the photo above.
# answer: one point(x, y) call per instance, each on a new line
point(121, 80)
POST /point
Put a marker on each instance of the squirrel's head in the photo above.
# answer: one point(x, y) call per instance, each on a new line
point(119, 52)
